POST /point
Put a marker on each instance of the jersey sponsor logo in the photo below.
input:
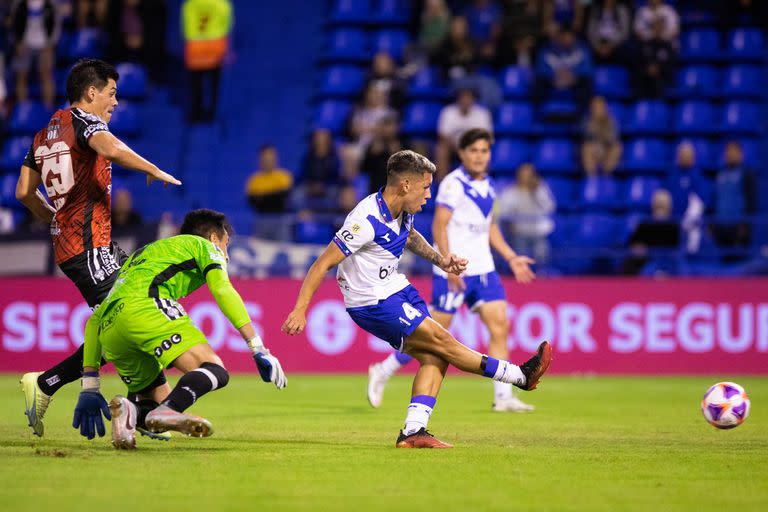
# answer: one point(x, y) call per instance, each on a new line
point(53, 129)
point(125, 379)
point(166, 344)
point(107, 322)
point(93, 128)
point(355, 228)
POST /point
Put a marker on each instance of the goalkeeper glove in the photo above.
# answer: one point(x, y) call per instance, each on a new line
point(268, 365)
point(90, 406)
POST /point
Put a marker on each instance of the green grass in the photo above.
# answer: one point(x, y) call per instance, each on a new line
point(593, 444)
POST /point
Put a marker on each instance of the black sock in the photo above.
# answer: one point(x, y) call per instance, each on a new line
point(69, 370)
point(144, 407)
point(195, 384)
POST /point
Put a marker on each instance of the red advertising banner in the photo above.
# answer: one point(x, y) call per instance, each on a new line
point(610, 326)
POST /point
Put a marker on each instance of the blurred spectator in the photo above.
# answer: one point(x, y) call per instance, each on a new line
point(741, 13)
point(457, 56)
point(367, 115)
point(385, 142)
point(565, 66)
point(483, 22)
point(522, 24)
point(568, 14)
point(319, 174)
point(6, 221)
point(528, 206)
point(686, 182)
point(123, 214)
point(656, 63)
point(601, 149)
point(608, 31)
point(435, 23)
point(384, 75)
point(347, 199)
point(454, 120)
point(167, 227)
point(269, 186)
point(661, 231)
point(735, 197)
point(125, 26)
point(206, 28)
point(657, 20)
point(3, 92)
point(90, 13)
point(35, 27)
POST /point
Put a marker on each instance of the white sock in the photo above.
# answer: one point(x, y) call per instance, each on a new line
point(509, 373)
point(418, 413)
point(501, 391)
point(390, 365)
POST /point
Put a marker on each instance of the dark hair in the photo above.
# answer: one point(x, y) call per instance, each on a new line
point(203, 222)
point(473, 135)
point(266, 147)
point(86, 73)
point(407, 161)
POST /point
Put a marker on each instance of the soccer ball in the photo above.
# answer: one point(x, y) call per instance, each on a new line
point(725, 405)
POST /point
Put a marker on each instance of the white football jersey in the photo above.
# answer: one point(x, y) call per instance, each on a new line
point(468, 230)
point(373, 242)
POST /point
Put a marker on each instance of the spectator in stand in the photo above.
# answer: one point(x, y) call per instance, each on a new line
point(386, 141)
point(367, 115)
point(125, 26)
point(483, 22)
point(735, 198)
point(601, 149)
point(522, 24)
point(609, 28)
point(123, 214)
point(656, 63)
point(35, 26)
point(661, 231)
point(528, 206)
point(457, 56)
point(454, 120)
point(564, 66)
point(384, 75)
point(567, 14)
point(319, 173)
point(435, 23)
point(3, 92)
point(90, 13)
point(657, 20)
point(744, 13)
point(269, 186)
point(690, 194)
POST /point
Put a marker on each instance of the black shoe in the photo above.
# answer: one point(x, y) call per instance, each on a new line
point(420, 439)
point(535, 367)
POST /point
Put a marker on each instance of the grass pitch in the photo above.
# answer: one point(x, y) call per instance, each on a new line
point(593, 444)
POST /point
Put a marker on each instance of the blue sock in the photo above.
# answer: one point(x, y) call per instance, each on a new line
point(403, 358)
point(489, 365)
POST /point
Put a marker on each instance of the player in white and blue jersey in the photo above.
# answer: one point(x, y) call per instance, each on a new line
point(464, 222)
point(367, 250)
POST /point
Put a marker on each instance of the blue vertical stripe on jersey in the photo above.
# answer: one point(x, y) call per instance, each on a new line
point(387, 239)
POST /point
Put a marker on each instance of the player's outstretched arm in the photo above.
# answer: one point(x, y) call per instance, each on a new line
point(297, 319)
point(520, 265)
point(91, 403)
point(420, 247)
point(115, 150)
point(29, 195)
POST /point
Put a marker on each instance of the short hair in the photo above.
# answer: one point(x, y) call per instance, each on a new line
point(203, 222)
point(473, 135)
point(86, 73)
point(407, 161)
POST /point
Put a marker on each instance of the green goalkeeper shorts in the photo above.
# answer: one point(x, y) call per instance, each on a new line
point(141, 337)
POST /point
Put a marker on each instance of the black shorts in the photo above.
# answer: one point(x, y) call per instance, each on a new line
point(94, 271)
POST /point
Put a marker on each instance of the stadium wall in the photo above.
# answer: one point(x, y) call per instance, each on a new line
point(603, 326)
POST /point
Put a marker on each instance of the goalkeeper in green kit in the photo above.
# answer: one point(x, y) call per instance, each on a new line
point(141, 329)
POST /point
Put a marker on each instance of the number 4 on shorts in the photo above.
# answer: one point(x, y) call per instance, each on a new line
point(410, 311)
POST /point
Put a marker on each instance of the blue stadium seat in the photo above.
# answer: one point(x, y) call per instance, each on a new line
point(514, 118)
point(612, 82)
point(598, 230)
point(347, 45)
point(619, 113)
point(750, 147)
point(746, 44)
point(86, 43)
point(744, 81)
point(392, 42)
point(125, 120)
point(342, 80)
point(648, 117)
point(423, 224)
point(312, 232)
point(392, 12)
point(556, 155)
point(696, 82)
point(695, 117)
point(599, 192)
point(700, 45)
point(14, 151)
point(564, 192)
point(427, 84)
point(28, 117)
point(421, 117)
point(740, 117)
point(351, 12)
point(646, 155)
point(559, 109)
point(516, 82)
point(332, 115)
point(280, 265)
point(639, 191)
point(133, 80)
point(508, 154)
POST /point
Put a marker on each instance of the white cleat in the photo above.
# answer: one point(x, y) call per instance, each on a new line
point(377, 381)
point(512, 404)
point(124, 414)
point(35, 402)
point(163, 419)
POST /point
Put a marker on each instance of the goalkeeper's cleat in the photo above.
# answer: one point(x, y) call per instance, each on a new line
point(163, 418)
point(420, 439)
point(535, 367)
point(157, 436)
point(124, 415)
point(377, 381)
point(512, 404)
point(35, 402)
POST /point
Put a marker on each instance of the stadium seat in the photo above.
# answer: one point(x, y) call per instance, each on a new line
point(619, 113)
point(645, 155)
point(647, 117)
point(28, 117)
point(695, 117)
point(599, 192)
point(746, 44)
point(312, 232)
point(695, 82)
point(598, 230)
point(514, 118)
point(14, 151)
point(563, 190)
point(280, 265)
point(556, 155)
point(392, 12)
point(639, 191)
point(86, 43)
point(392, 42)
point(332, 115)
point(133, 80)
point(557, 109)
point(744, 81)
point(700, 45)
point(351, 12)
point(421, 117)
point(508, 154)
point(516, 82)
point(750, 147)
point(347, 45)
point(125, 120)
point(427, 84)
point(741, 117)
point(342, 81)
point(612, 81)
point(423, 224)
point(705, 154)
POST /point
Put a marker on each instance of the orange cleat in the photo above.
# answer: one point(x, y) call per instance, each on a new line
point(420, 439)
point(535, 367)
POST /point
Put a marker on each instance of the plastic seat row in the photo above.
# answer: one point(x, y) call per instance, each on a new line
point(367, 12)
point(358, 46)
point(705, 45)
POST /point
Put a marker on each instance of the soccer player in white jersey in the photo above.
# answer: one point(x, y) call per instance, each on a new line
point(464, 222)
point(367, 250)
